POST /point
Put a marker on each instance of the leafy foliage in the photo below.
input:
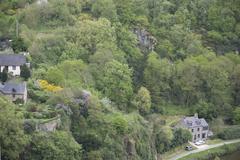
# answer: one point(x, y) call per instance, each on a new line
point(117, 82)
point(25, 72)
point(58, 145)
point(4, 75)
point(143, 100)
point(11, 144)
point(95, 45)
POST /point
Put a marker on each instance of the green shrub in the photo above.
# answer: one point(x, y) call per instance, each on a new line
point(120, 124)
point(181, 136)
point(29, 126)
point(230, 133)
point(25, 72)
point(18, 45)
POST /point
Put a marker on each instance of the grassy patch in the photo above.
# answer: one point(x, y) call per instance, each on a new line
point(165, 120)
point(214, 141)
point(175, 110)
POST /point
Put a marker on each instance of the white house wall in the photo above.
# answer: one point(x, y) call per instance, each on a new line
point(15, 72)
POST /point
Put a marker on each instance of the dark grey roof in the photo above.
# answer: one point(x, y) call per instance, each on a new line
point(12, 60)
point(13, 88)
point(192, 122)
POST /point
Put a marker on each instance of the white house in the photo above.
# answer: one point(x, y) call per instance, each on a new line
point(12, 62)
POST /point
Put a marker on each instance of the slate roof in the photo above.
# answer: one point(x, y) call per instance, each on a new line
point(12, 60)
point(13, 88)
point(191, 122)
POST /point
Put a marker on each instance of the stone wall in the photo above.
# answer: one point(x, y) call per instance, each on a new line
point(49, 126)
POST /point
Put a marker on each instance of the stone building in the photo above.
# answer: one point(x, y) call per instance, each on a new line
point(197, 126)
point(14, 91)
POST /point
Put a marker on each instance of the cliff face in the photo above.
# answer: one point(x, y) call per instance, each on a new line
point(146, 40)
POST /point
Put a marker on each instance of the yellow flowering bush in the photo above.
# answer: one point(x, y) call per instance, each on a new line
point(49, 87)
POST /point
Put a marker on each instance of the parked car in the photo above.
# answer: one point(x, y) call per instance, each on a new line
point(198, 143)
point(188, 148)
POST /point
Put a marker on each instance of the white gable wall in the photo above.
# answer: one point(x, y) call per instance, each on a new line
point(14, 70)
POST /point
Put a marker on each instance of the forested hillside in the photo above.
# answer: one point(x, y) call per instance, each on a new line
point(113, 70)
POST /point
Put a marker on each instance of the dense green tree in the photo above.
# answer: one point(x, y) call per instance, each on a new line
point(205, 110)
point(12, 138)
point(55, 76)
point(53, 146)
point(128, 43)
point(165, 49)
point(221, 18)
point(18, 45)
point(25, 72)
point(94, 155)
point(75, 73)
point(105, 53)
point(235, 83)
point(48, 48)
point(236, 116)
point(124, 11)
point(143, 100)
point(181, 136)
point(4, 75)
point(215, 84)
point(90, 33)
point(187, 82)
point(120, 124)
point(156, 77)
point(104, 8)
point(92, 44)
point(117, 83)
point(163, 139)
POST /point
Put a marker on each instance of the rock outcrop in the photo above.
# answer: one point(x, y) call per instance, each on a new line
point(130, 147)
point(49, 126)
point(146, 40)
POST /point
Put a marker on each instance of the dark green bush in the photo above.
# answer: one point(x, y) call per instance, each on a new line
point(181, 136)
point(230, 133)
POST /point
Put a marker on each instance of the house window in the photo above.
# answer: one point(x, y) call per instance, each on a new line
point(192, 130)
point(198, 135)
point(195, 137)
point(13, 67)
point(198, 129)
point(204, 135)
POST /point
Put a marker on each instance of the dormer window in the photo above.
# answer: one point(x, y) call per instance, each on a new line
point(13, 67)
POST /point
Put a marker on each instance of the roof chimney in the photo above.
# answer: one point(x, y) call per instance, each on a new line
point(196, 115)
